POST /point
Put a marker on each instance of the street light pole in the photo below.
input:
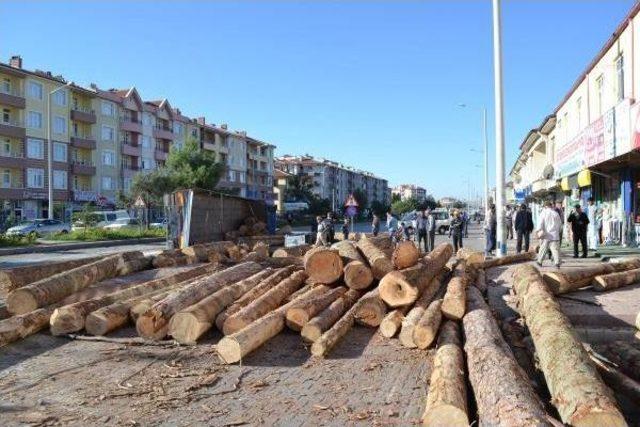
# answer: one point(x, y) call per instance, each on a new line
point(501, 246)
point(486, 162)
point(50, 149)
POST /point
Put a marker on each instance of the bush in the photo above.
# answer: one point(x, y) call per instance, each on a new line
point(11, 241)
point(97, 234)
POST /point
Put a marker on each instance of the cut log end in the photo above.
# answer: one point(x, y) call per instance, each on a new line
point(229, 350)
point(186, 328)
point(396, 291)
point(323, 265)
point(598, 419)
point(445, 416)
point(96, 324)
point(318, 349)
point(21, 302)
point(66, 320)
point(148, 328)
point(405, 254)
point(311, 332)
point(297, 318)
point(357, 275)
point(391, 324)
point(233, 324)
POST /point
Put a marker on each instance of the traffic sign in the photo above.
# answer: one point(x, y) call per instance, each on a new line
point(351, 201)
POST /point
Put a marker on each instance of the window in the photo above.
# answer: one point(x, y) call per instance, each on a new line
point(59, 125)
point(194, 133)
point(620, 78)
point(59, 152)
point(108, 183)
point(60, 98)
point(34, 89)
point(35, 178)
point(6, 178)
point(108, 109)
point(241, 177)
point(146, 141)
point(231, 176)
point(35, 148)
point(566, 127)
point(127, 184)
point(147, 119)
point(108, 158)
point(107, 133)
point(579, 112)
point(147, 163)
point(34, 120)
point(177, 128)
point(599, 89)
point(6, 85)
point(59, 180)
point(6, 115)
point(6, 147)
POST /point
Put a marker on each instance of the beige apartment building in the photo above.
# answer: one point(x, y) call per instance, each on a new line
point(100, 140)
point(410, 191)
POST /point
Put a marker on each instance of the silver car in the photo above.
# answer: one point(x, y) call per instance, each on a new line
point(39, 227)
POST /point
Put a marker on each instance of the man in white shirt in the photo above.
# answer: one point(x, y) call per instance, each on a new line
point(549, 228)
point(592, 228)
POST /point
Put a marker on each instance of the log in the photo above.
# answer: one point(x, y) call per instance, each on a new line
point(323, 345)
point(503, 393)
point(371, 309)
point(54, 288)
point(259, 290)
point(576, 389)
point(153, 323)
point(357, 274)
point(323, 321)
point(454, 302)
point(262, 249)
point(234, 253)
point(392, 322)
point(470, 256)
point(626, 356)
point(382, 242)
point(323, 265)
point(199, 252)
point(189, 324)
point(379, 262)
point(618, 381)
point(138, 264)
point(481, 281)
point(23, 325)
point(426, 330)
point(447, 396)
point(4, 313)
point(264, 304)
point(71, 318)
point(293, 251)
point(145, 304)
point(300, 314)
point(173, 258)
point(406, 254)
point(568, 280)
point(508, 259)
point(14, 278)
point(606, 282)
point(281, 262)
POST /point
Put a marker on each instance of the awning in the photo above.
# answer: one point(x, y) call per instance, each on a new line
point(584, 178)
point(577, 180)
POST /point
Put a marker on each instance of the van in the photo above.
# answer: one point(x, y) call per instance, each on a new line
point(102, 218)
point(443, 220)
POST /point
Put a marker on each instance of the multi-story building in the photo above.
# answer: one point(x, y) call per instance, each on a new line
point(410, 191)
point(100, 140)
point(334, 181)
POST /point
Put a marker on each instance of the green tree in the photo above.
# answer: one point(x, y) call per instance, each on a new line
point(361, 197)
point(459, 204)
point(299, 189)
point(318, 206)
point(428, 203)
point(395, 198)
point(400, 207)
point(379, 208)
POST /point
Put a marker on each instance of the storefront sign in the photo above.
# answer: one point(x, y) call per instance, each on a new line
point(84, 196)
point(34, 195)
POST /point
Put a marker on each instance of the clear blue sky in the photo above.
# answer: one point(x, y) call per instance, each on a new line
point(371, 84)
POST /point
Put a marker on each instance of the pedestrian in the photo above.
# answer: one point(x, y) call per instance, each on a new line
point(579, 224)
point(558, 208)
point(331, 233)
point(490, 229)
point(592, 230)
point(322, 232)
point(456, 230)
point(524, 227)
point(421, 230)
point(508, 218)
point(465, 223)
point(375, 225)
point(392, 227)
point(548, 232)
point(345, 229)
point(431, 230)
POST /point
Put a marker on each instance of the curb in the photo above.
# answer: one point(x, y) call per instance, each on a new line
point(55, 247)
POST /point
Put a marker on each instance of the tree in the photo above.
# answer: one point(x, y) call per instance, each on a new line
point(400, 207)
point(379, 208)
point(395, 197)
point(361, 197)
point(428, 203)
point(318, 206)
point(299, 189)
point(459, 204)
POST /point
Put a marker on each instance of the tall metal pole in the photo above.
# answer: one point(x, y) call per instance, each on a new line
point(49, 157)
point(486, 162)
point(501, 246)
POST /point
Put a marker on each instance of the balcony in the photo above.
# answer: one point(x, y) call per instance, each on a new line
point(84, 195)
point(131, 150)
point(83, 141)
point(12, 98)
point(13, 159)
point(12, 190)
point(84, 115)
point(130, 124)
point(12, 129)
point(163, 132)
point(161, 155)
point(209, 145)
point(83, 167)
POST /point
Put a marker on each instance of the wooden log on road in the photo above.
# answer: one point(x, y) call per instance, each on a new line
point(606, 282)
point(357, 274)
point(282, 262)
point(504, 395)
point(323, 265)
point(447, 396)
point(392, 322)
point(618, 381)
point(625, 355)
point(187, 325)
point(379, 262)
point(569, 280)
point(324, 320)
point(21, 326)
point(371, 309)
point(382, 242)
point(293, 251)
point(481, 281)
point(327, 341)
point(454, 302)
point(470, 256)
point(508, 259)
point(426, 329)
point(576, 389)
point(300, 314)
point(153, 323)
point(54, 288)
point(406, 254)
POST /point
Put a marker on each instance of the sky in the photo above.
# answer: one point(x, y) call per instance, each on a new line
point(375, 85)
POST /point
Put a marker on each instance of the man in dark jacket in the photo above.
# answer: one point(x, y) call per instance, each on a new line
point(579, 222)
point(456, 230)
point(524, 227)
point(421, 229)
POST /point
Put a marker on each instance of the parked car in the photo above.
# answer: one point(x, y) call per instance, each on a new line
point(102, 219)
point(442, 220)
point(410, 219)
point(39, 227)
point(123, 223)
point(160, 223)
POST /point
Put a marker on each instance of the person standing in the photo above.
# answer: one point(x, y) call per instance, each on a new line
point(456, 231)
point(560, 211)
point(524, 227)
point(579, 223)
point(592, 230)
point(465, 222)
point(548, 232)
point(375, 225)
point(421, 230)
point(345, 229)
point(331, 232)
point(392, 227)
point(490, 229)
point(431, 230)
point(322, 232)
point(508, 218)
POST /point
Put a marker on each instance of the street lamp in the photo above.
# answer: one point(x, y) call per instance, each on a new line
point(50, 148)
point(501, 246)
point(486, 156)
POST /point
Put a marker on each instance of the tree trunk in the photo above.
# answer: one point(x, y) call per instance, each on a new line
point(481, 282)
point(379, 262)
point(144, 305)
point(470, 256)
point(503, 393)
point(508, 259)
point(21, 326)
point(173, 258)
point(392, 322)
point(300, 314)
point(610, 281)
point(293, 251)
point(454, 302)
point(4, 313)
point(138, 264)
point(14, 278)
point(189, 324)
point(71, 318)
point(323, 265)
point(568, 280)
point(618, 381)
point(426, 329)
point(281, 262)
point(357, 274)
point(262, 249)
point(54, 288)
point(153, 323)
point(323, 321)
point(626, 356)
point(382, 242)
point(264, 304)
point(406, 254)
point(371, 309)
point(447, 395)
point(253, 294)
point(573, 381)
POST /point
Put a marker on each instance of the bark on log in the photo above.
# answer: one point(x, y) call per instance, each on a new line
point(173, 258)
point(447, 395)
point(264, 304)
point(573, 381)
point(262, 249)
point(53, 289)
point(300, 314)
point(14, 278)
point(619, 382)
point(508, 259)
point(481, 281)
point(144, 305)
point(323, 345)
point(153, 324)
point(606, 282)
point(426, 330)
point(4, 313)
point(323, 265)
point(454, 302)
point(253, 294)
point(323, 321)
point(281, 262)
point(371, 309)
point(379, 262)
point(293, 251)
point(625, 355)
point(382, 242)
point(392, 322)
point(406, 254)
point(502, 390)
point(71, 318)
point(568, 280)
point(470, 256)
point(189, 324)
point(21, 326)
point(357, 274)
point(138, 264)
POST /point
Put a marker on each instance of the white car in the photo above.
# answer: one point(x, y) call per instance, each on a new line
point(123, 223)
point(39, 227)
point(103, 218)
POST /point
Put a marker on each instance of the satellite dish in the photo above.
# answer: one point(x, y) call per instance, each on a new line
point(547, 172)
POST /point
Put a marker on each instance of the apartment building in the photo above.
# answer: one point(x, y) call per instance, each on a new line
point(334, 181)
point(410, 191)
point(102, 138)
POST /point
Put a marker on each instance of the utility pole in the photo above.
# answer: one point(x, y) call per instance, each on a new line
point(501, 246)
point(486, 162)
